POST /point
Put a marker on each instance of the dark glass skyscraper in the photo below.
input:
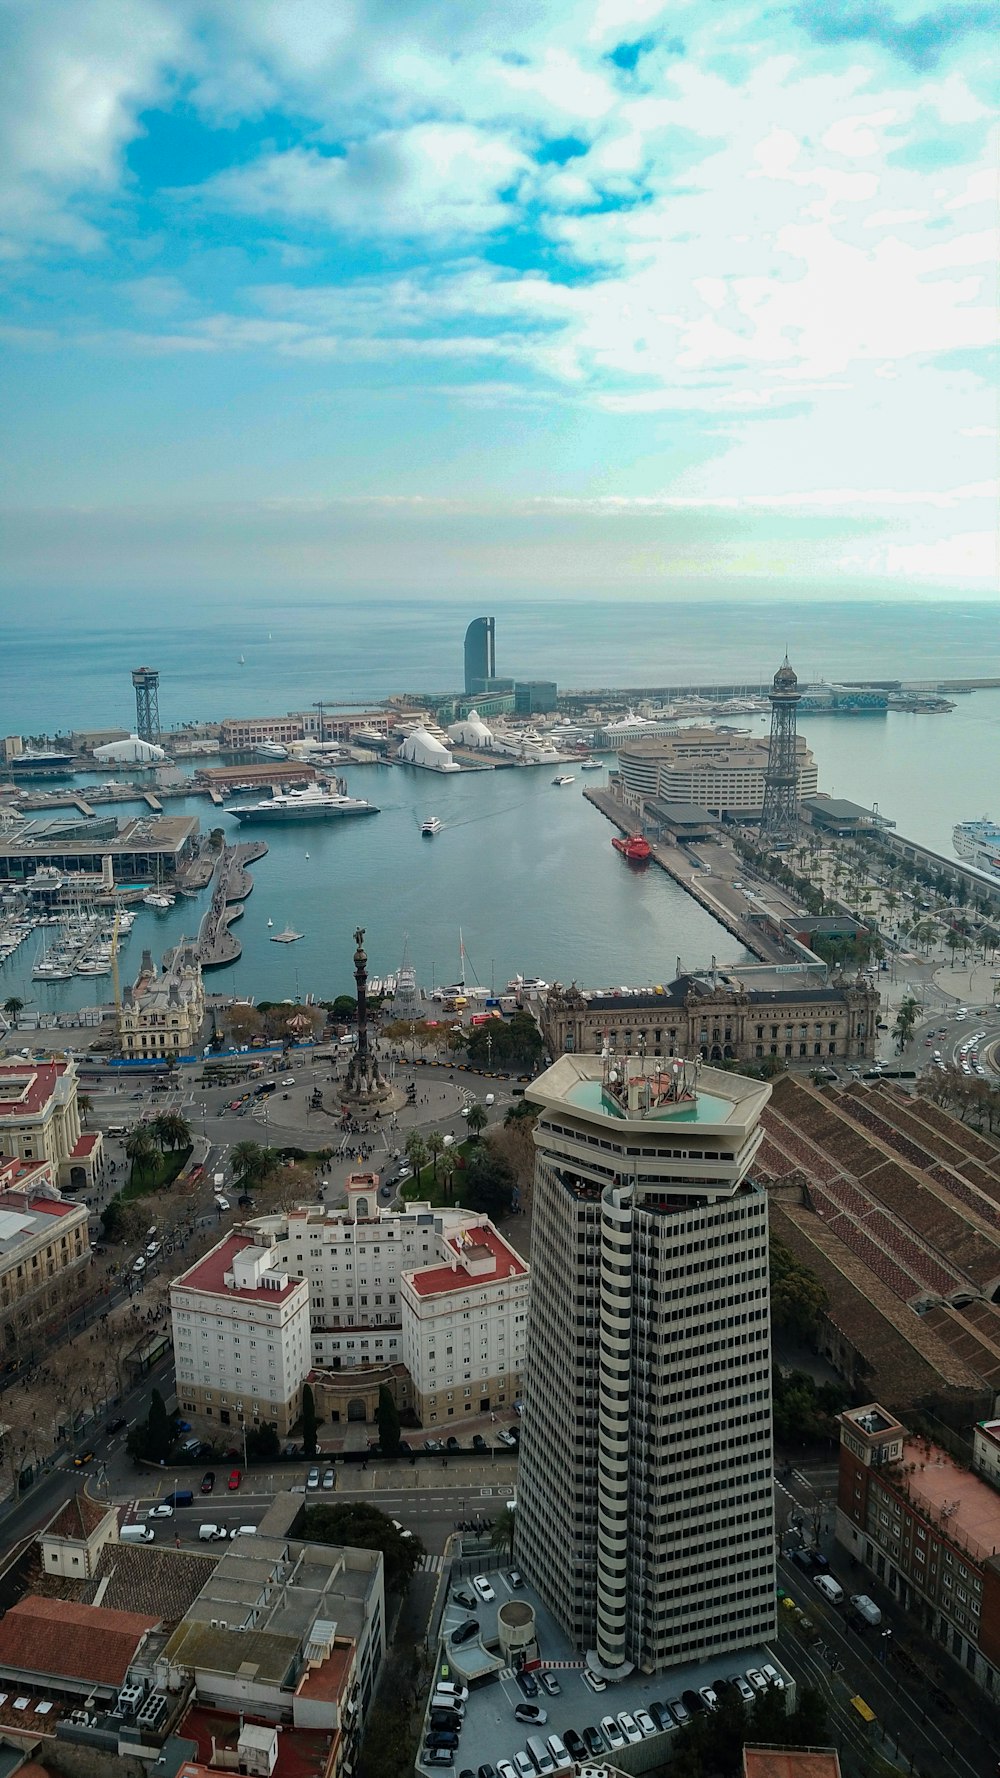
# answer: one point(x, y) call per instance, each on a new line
point(480, 653)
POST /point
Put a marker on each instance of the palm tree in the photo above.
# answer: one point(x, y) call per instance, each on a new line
point(141, 1150)
point(13, 1007)
point(84, 1104)
point(176, 1130)
point(415, 1149)
point(435, 1147)
point(247, 1159)
point(477, 1117)
point(448, 1174)
point(502, 1534)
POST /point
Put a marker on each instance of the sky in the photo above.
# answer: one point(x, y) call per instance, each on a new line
point(575, 296)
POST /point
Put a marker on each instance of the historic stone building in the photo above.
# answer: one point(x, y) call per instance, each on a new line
point(720, 1018)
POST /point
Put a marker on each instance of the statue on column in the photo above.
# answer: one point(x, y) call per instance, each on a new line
point(363, 1078)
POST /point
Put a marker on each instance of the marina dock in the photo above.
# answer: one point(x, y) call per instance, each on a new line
point(217, 945)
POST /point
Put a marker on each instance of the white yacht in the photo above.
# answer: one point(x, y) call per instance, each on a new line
point(314, 803)
point(565, 778)
point(431, 826)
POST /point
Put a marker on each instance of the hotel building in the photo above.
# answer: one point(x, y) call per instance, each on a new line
point(722, 773)
point(645, 1505)
point(241, 1338)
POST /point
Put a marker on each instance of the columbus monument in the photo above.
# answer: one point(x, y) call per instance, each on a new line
point(365, 1084)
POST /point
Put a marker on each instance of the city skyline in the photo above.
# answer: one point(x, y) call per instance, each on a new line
point(621, 297)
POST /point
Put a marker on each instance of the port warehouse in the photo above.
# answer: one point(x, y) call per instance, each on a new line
point(138, 848)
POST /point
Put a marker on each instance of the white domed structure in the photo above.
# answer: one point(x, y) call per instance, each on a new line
point(132, 752)
point(423, 749)
point(471, 732)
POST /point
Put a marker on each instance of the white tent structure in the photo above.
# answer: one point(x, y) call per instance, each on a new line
point(423, 749)
point(471, 731)
point(131, 752)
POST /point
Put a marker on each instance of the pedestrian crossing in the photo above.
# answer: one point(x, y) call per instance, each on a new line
point(431, 1565)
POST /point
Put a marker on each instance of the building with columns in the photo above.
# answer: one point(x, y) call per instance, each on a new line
point(645, 1495)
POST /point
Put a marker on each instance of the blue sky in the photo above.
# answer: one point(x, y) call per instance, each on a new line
point(422, 294)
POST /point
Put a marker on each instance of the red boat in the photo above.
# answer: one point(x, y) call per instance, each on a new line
point(635, 848)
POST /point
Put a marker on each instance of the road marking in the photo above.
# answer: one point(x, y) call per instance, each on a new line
point(431, 1565)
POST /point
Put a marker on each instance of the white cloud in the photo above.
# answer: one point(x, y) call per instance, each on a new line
point(436, 179)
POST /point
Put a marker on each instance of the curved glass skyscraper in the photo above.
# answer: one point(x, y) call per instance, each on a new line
point(480, 653)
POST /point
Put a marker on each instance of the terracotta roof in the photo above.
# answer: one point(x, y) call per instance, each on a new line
point(53, 1636)
point(481, 1246)
point(27, 1087)
point(790, 1762)
point(209, 1274)
point(85, 1144)
point(77, 1518)
point(327, 1680)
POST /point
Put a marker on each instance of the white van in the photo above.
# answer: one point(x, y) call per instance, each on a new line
point(221, 1203)
point(136, 1534)
point(830, 1588)
point(210, 1533)
point(540, 1755)
point(558, 1751)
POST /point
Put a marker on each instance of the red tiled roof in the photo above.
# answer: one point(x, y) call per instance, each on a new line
point(27, 1087)
point(19, 1200)
point(479, 1244)
point(19, 1174)
point(327, 1680)
point(209, 1274)
point(85, 1144)
point(55, 1636)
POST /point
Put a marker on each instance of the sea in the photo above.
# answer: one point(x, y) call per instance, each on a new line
point(523, 878)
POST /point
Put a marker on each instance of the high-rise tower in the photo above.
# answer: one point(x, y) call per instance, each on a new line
point(480, 654)
point(780, 815)
point(645, 1493)
point(147, 704)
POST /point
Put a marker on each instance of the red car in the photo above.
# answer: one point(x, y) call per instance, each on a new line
point(235, 1478)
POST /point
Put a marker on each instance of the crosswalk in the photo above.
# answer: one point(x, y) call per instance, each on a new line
point(431, 1565)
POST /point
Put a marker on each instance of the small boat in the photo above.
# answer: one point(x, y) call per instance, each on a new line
point(270, 922)
point(635, 847)
point(565, 778)
point(287, 937)
point(243, 660)
point(430, 827)
point(591, 765)
point(307, 854)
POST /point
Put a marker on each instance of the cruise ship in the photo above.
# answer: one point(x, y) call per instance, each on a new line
point(315, 803)
point(979, 843)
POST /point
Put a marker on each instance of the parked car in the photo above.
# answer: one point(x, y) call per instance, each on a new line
point(442, 1738)
point(594, 1680)
point(506, 1439)
point(629, 1727)
point(452, 1688)
point(773, 1677)
point(611, 1732)
point(483, 1588)
point(443, 1701)
point(528, 1683)
point(645, 1721)
point(514, 1579)
point(757, 1679)
point(709, 1698)
point(478, 1442)
point(446, 1719)
point(679, 1711)
point(452, 1444)
point(524, 1765)
point(662, 1716)
point(235, 1478)
point(465, 1632)
point(329, 1479)
point(744, 1687)
point(462, 1596)
point(575, 1744)
point(312, 1479)
point(434, 1444)
point(438, 1756)
point(208, 1481)
point(532, 1713)
point(550, 1684)
point(594, 1740)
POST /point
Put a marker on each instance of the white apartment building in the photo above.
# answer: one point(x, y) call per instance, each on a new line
point(645, 1493)
point(241, 1337)
point(464, 1326)
point(719, 772)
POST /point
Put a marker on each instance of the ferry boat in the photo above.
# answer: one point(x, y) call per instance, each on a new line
point(430, 827)
point(979, 843)
point(591, 765)
point(565, 778)
point(635, 847)
point(315, 803)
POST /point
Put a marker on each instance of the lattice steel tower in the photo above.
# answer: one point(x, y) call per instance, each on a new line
point(147, 704)
point(780, 814)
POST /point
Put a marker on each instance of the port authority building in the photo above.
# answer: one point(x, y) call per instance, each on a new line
point(721, 1016)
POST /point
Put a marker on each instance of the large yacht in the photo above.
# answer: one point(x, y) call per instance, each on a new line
point(315, 803)
point(979, 843)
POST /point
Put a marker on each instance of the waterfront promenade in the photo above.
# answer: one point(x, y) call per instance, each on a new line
point(217, 944)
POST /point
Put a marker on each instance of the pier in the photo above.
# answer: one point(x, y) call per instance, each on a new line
point(711, 885)
point(217, 944)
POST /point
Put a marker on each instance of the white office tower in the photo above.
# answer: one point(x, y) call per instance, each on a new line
point(645, 1505)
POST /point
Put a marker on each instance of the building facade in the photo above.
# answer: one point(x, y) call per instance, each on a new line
point(480, 654)
point(720, 1018)
point(249, 731)
point(722, 773)
point(241, 1338)
point(928, 1530)
point(464, 1326)
point(44, 1258)
point(162, 1015)
point(645, 1493)
point(379, 1287)
point(40, 1122)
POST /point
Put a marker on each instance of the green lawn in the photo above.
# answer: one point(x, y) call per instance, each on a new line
point(424, 1187)
point(164, 1171)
